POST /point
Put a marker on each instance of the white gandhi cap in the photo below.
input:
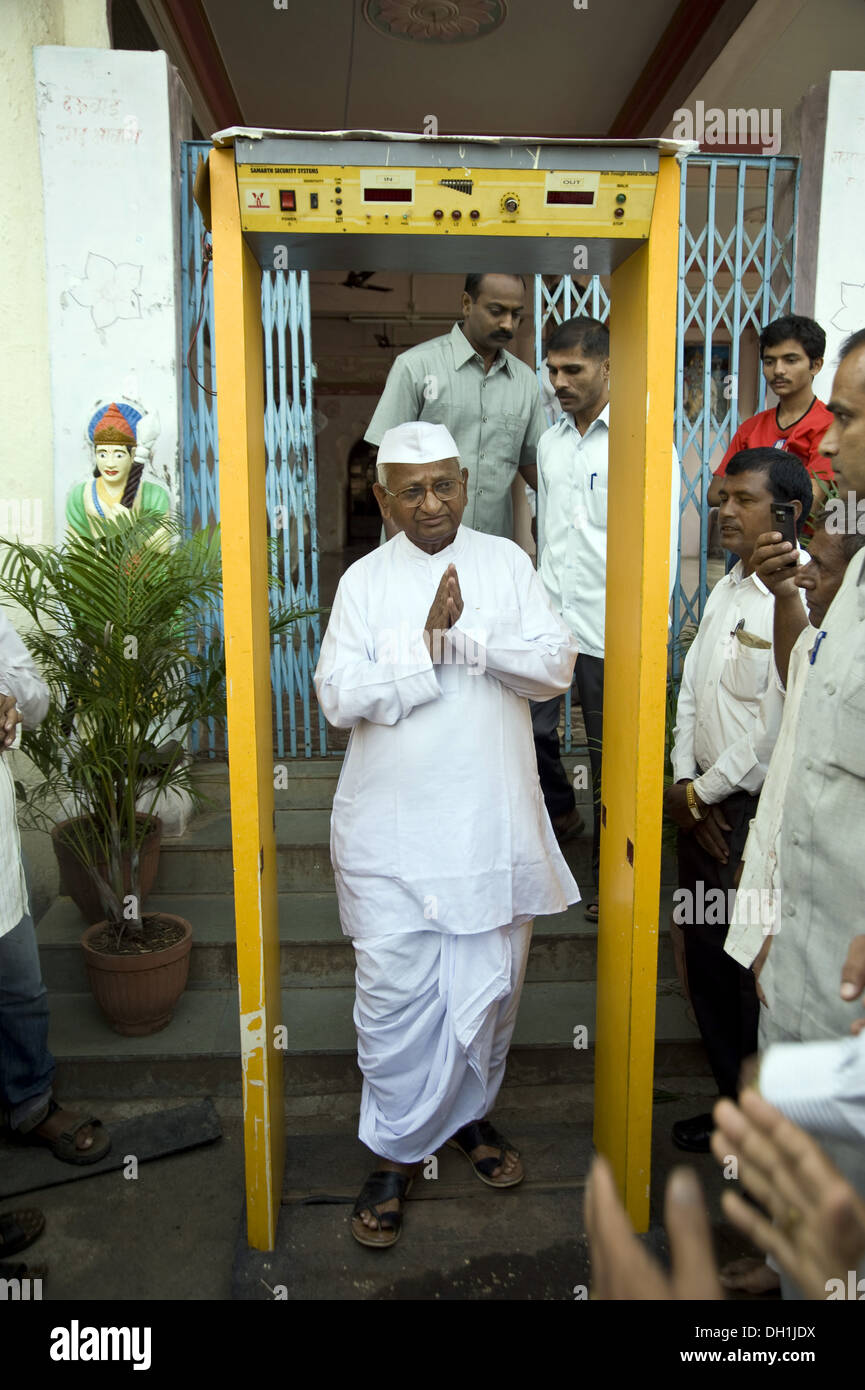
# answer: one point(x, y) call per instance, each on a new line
point(417, 442)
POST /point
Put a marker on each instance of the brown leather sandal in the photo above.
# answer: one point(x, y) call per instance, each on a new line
point(63, 1145)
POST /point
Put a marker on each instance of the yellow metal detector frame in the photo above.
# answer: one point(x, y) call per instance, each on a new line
point(643, 333)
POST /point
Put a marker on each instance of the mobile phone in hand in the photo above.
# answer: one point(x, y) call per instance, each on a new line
point(784, 520)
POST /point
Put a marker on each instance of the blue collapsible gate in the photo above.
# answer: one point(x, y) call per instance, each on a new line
point(733, 279)
point(299, 727)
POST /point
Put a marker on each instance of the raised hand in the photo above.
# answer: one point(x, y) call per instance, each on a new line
point(622, 1267)
point(775, 564)
point(446, 609)
point(816, 1223)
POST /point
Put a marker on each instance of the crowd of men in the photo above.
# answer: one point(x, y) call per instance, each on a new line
point(447, 654)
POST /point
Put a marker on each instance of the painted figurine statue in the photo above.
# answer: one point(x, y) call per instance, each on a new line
point(122, 439)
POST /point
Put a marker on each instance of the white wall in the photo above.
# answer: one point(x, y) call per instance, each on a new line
point(26, 441)
point(111, 247)
point(839, 284)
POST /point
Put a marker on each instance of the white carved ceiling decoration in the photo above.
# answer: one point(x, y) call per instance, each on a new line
point(435, 21)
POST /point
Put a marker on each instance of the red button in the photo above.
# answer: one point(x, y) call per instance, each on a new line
point(287, 200)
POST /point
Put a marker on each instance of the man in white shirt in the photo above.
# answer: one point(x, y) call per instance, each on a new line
point(442, 850)
point(727, 720)
point(26, 1065)
point(487, 398)
point(572, 552)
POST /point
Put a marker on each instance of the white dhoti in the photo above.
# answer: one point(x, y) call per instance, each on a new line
point(434, 1015)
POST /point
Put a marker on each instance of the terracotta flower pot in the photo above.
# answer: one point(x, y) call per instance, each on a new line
point(138, 994)
point(75, 880)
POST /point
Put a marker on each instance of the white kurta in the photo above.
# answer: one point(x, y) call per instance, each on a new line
point(438, 819)
point(442, 848)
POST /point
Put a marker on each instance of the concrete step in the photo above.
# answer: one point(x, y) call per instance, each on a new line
point(309, 783)
point(200, 861)
point(299, 783)
point(313, 951)
point(199, 1053)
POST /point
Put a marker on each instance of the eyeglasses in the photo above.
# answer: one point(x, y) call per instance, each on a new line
point(445, 490)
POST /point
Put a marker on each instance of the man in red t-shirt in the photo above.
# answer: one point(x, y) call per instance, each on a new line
point(791, 353)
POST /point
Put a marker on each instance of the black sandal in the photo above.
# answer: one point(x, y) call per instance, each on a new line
point(476, 1134)
point(381, 1186)
point(18, 1229)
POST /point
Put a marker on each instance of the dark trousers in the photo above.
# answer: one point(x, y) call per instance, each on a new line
point(555, 785)
point(723, 993)
point(26, 1065)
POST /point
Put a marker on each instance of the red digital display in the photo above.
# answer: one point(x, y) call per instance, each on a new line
point(387, 195)
point(287, 200)
point(567, 196)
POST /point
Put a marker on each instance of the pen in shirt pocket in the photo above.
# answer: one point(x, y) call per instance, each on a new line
point(812, 656)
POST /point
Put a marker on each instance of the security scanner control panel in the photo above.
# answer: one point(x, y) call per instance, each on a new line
point(294, 195)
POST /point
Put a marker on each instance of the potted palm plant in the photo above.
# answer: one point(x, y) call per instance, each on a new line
point(116, 630)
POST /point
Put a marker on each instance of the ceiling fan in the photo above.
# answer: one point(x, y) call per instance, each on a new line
point(358, 280)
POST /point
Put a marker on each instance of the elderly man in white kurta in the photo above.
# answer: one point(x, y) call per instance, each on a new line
point(442, 849)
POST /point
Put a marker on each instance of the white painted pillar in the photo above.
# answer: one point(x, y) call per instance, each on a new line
point(110, 124)
point(830, 266)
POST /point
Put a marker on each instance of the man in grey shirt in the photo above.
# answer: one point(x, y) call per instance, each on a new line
point(487, 398)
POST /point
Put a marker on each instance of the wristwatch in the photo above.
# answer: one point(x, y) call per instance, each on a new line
point(691, 798)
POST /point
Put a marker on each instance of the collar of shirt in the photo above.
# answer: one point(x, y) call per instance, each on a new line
point(413, 553)
point(566, 422)
point(737, 577)
point(464, 352)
